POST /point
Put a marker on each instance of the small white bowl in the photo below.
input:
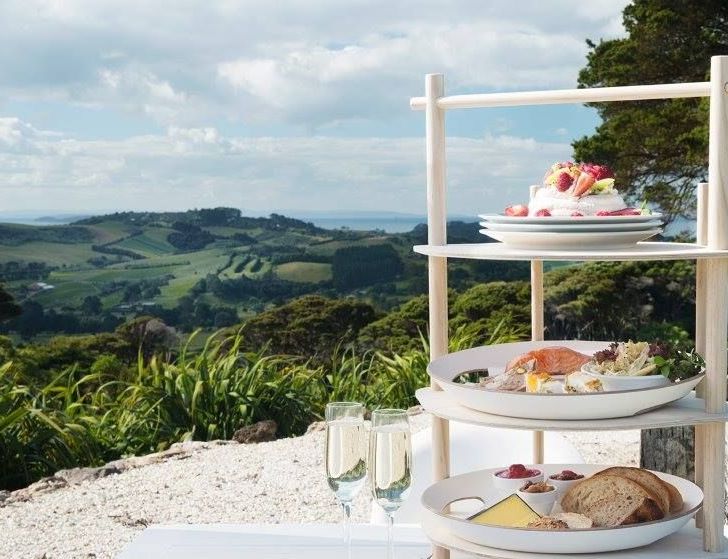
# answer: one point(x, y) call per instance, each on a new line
point(542, 503)
point(614, 383)
point(511, 485)
point(562, 485)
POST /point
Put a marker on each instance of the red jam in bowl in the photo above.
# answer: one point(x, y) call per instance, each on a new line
point(517, 471)
point(566, 475)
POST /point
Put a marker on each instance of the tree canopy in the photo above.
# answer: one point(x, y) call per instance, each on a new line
point(8, 307)
point(657, 149)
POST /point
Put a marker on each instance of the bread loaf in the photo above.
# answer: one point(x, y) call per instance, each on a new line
point(646, 479)
point(611, 500)
point(669, 497)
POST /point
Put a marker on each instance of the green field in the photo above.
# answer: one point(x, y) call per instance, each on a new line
point(126, 259)
point(306, 272)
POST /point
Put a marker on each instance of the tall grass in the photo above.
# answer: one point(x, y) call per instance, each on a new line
point(78, 419)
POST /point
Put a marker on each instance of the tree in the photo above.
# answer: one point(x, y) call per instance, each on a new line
point(657, 149)
point(8, 307)
point(91, 305)
point(308, 326)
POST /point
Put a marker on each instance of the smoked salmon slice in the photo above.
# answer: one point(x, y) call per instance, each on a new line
point(552, 360)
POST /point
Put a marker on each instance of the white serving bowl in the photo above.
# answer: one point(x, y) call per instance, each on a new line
point(616, 383)
point(562, 486)
point(542, 503)
point(506, 485)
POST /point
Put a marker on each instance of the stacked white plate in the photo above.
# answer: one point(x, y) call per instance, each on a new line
point(588, 232)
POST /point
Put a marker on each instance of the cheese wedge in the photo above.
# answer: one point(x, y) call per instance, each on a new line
point(511, 512)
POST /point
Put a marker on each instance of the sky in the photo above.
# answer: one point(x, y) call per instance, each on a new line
point(280, 105)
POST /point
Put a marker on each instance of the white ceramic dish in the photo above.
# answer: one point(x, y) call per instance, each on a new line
point(477, 485)
point(570, 228)
point(542, 503)
point(506, 486)
point(500, 218)
point(564, 240)
point(619, 382)
point(562, 486)
point(595, 405)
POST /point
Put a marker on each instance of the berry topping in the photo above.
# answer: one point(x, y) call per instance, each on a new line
point(599, 172)
point(517, 471)
point(519, 210)
point(577, 214)
point(564, 182)
point(625, 211)
point(566, 475)
point(543, 213)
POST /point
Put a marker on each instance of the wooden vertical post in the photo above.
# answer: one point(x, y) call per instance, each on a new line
point(437, 266)
point(716, 313)
point(701, 238)
point(537, 329)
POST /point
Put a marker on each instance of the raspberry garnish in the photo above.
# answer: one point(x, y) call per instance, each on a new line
point(543, 213)
point(564, 182)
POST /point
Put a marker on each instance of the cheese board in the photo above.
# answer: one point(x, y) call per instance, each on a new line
point(459, 493)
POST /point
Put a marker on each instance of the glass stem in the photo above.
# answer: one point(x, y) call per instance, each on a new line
point(346, 509)
point(390, 543)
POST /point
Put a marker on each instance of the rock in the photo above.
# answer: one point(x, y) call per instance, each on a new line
point(261, 432)
point(415, 410)
point(316, 426)
point(76, 476)
point(41, 486)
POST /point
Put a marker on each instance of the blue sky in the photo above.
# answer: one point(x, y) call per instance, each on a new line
point(292, 105)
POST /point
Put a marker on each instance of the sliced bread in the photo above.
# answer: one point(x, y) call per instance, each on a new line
point(646, 479)
point(612, 501)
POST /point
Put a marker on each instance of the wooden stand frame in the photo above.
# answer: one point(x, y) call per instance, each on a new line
point(711, 273)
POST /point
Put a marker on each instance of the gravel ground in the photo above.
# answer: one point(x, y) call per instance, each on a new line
point(279, 481)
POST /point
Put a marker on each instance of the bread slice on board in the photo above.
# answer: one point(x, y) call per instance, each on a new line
point(612, 501)
point(670, 498)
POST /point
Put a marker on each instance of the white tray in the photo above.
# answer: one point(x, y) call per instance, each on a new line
point(499, 218)
point(571, 227)
point(595, 405)
point(600, 240)
point(594, 540)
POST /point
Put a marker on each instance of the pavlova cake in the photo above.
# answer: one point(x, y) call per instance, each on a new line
point(575, 190)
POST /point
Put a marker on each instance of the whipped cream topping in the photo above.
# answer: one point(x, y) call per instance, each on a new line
point(563, 204)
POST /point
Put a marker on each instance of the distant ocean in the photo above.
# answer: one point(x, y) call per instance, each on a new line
point(366, 221)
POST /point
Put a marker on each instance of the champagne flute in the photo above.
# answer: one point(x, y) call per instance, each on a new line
point(390, 463)
point(345, 457)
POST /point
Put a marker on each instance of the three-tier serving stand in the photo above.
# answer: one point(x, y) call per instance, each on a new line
point(707, 411)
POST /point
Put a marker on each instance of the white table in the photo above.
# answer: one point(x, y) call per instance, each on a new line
point(273, 541)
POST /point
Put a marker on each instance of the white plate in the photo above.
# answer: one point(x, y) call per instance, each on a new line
point(570, 228)
point(624, 382)
point(591, 240)
point(500, 218)
point(593, 405)
point(594, 540)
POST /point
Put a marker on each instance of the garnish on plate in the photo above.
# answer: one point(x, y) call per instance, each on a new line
point(576, 190)
point(643, 358)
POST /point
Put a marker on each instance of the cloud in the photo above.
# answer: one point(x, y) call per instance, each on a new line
point(189, 167)
point(294, 62)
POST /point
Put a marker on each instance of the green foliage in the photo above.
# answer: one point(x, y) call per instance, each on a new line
point(310, 326)
point(358, 266)
point(86, 419)
point(8, 307)
point(658, 149)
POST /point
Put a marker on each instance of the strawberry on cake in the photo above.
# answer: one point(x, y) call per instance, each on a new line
point(575, 190)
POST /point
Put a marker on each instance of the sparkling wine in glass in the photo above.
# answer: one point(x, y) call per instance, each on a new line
point(345, 457)
point(390, 463)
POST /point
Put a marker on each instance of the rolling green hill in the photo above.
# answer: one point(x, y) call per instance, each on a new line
point(195, 268)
